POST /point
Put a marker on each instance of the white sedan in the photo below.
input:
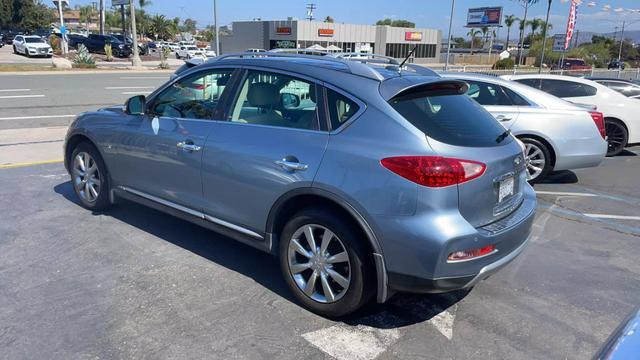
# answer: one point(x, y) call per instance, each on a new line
point(31, 46)
point(557, 135)
point(621, 114)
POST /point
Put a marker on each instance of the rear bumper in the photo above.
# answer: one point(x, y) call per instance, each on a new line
point(581, 154)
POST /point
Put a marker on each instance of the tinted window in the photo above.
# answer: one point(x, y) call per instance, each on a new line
point(567, 89)
point(276, 100)
point(516, 99)
point(629, 90)
point(487, 94)
point(530, 82)
point(341, 108)
point(452, 119)
point(195, 97)
point(34, 40)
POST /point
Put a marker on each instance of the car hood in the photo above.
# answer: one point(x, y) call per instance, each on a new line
point(38, 45)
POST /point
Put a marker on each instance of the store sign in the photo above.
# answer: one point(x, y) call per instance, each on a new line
point(115, 3)
point(285, 30)
point(325, 32)
point(413, 36)
point(283, 44)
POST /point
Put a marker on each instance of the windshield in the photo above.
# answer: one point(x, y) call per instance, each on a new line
point(33, 40)
point(192, 48)
point(451, 119)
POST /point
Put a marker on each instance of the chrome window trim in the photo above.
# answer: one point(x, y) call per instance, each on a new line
point(346, 124)
point(190, 211)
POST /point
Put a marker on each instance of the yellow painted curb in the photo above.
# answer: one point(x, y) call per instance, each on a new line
point(10, 166)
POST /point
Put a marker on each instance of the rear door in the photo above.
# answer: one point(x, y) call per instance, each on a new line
point(495, 100)
point(263, 149)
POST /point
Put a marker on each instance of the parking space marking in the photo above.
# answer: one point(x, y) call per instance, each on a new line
point(358, 342)
point(14, 90)
point(560, 193)
point(615, 217)
point(443, 321)
point(136, 92)
point(17, 165)
point(37, 117)
point(127, 87)
point(21, 96)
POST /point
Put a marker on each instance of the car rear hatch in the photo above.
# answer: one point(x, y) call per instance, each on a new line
point(458, 128)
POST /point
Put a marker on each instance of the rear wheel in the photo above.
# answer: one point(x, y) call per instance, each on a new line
point(15, 51)
point(537, 158)
point(89, 177)
point(617, 136)
point(325, 264)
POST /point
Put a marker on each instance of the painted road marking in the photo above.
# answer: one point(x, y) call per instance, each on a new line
point(136, 92)
point(37, 117)
point(143, 78)
point(358, 342)
point(443, 322)
point(616, 217)
point(14, 90)
point(21, 96)
point(127, 87)
point(560, 193)
point(16, 165)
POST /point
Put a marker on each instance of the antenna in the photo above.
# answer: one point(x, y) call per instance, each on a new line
point(408, 56)
point(310, 8)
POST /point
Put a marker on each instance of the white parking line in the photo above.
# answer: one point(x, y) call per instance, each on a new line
point(143, 78)
point(127, 87)
point(560, 193)
point(443, 322)
point(136, 92)
point(616, 217)
point(37, 117)
point(21, 96)
point(14, 90)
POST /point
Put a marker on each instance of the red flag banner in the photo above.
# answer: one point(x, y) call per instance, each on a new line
point(571, 23)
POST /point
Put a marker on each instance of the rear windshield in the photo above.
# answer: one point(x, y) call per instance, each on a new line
point(452, 119)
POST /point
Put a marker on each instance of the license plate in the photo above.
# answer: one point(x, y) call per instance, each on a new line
point(506, 188)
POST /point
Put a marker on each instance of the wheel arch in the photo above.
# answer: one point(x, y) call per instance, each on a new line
point(71, 144)
point(542, 139)
point(616, 118)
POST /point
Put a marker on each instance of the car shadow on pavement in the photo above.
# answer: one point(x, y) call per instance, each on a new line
point(561, 177)
point(401, 310)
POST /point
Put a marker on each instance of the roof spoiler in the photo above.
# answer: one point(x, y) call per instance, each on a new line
point(437, 87)
point(188, 64)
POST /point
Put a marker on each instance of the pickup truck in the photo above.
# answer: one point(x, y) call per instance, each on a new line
point(95, 43)
point(574, 64)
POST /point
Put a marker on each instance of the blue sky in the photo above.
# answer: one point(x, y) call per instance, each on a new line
point(425, 13)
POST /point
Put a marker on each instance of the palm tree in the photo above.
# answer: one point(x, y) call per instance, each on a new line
point(485, 33)
point(535, 24)
point(472, 35)
point(162, 28)
point(509, 21)
point(144, 3)
point(86, 15)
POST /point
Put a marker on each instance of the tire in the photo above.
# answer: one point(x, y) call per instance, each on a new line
point(15, 51)
point(356, 268)
point(537, 159)
point(177, 56)
point(98, 199)
point(617, 136)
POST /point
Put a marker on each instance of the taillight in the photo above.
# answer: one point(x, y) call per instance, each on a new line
point(471, 254)
point(598, 118)
point(199, 87)
point(434, 171)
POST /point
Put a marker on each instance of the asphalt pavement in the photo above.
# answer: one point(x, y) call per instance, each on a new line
point(136, 283)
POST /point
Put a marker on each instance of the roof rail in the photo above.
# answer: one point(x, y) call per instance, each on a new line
point(365, 57)
point(300, 51)
point(354, 68)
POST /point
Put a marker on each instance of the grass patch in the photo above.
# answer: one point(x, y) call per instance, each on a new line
point(84, 66)
point(26, 67)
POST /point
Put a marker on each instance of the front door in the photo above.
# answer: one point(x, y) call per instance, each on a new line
point(162, 150)
point(272, 142)
point(494, 99)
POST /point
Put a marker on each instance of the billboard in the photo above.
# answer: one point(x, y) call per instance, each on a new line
point(413, 36)
point(115, 3)
point(485, 16)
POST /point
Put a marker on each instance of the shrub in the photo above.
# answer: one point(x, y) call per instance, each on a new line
point(108, 52)
point(504, 64)
point(83, 58)
point(56, 44)
point(164, 55)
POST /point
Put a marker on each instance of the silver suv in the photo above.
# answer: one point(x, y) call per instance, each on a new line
point(363, 179)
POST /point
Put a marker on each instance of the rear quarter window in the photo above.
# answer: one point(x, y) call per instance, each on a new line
point(452, 119)
point(567, 89)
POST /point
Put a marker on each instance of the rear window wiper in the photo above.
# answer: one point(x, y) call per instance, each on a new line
point(503, 136)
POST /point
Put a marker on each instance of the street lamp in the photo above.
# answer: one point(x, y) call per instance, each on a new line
point(526, 4)
point(215, 25)
point(136, 62)
point(63, 43)
point(544, 36)
point(446, 65)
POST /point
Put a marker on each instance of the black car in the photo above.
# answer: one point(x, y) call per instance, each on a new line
point(95, 43)
point(616, 64)
point(1, 41)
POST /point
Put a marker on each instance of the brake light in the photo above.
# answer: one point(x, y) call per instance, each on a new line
point(199, 87)
point(471, 254)
point(598, 118)
point(434, 171)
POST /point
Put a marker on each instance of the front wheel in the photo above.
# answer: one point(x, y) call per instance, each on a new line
point(617, 136)
point(325, 263)
point(89, 177)
point(537, 158)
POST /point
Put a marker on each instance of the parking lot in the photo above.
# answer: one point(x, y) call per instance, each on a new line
point(136, 283)
point(8, 57)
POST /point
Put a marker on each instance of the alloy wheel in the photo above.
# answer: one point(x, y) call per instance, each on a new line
point(86, 177)
point(319, 263)
point(616, 137)
point(535, 161)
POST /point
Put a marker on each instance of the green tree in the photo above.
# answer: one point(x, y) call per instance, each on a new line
point(189, 25)
point(473, 33)
point(328, 19)
point(509, 21)
point(87, 14)
point(396, 23)
point(162, 28)
point(485, 34)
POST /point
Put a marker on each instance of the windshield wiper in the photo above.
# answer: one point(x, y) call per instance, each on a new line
point(503, 136)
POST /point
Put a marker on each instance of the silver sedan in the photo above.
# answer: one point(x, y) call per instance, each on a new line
point(557, 135)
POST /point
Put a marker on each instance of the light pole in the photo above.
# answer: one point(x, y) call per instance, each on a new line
point(215, 25)
point(527, 3)
point(101, 17)
point(544, 36)
point(63, 43)
point(446, 65)
point(136, 62)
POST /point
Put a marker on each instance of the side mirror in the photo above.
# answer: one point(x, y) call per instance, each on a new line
point(135, 105)
point(289, 101)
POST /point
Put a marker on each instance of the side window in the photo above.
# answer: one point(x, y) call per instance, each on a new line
point(276, 100)
point(567, 89)
point(516, 99)
point(487, 94)
point(341, 108)
point(195, 97)
point(535, 83)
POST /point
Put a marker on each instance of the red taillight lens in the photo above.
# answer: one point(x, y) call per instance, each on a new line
point(434, 171)
point(471, 254)
point(199, 87)
point(598, 118)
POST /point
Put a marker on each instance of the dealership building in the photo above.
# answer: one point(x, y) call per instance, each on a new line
point(303, 34)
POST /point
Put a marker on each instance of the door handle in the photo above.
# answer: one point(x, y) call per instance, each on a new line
point(188, 146)
point(291, 166)
point(503, 118)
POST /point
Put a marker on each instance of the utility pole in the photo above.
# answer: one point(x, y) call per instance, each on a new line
point(124, 22)
point(215, 25)
point(446, 65)
point(134, 36)
point(310, 8)
point(621, 40)
point(64, 46)
point(101, 17)
point(526, 11)
point(544, 35)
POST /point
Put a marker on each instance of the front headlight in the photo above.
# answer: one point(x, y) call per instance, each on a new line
point(120, 46)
